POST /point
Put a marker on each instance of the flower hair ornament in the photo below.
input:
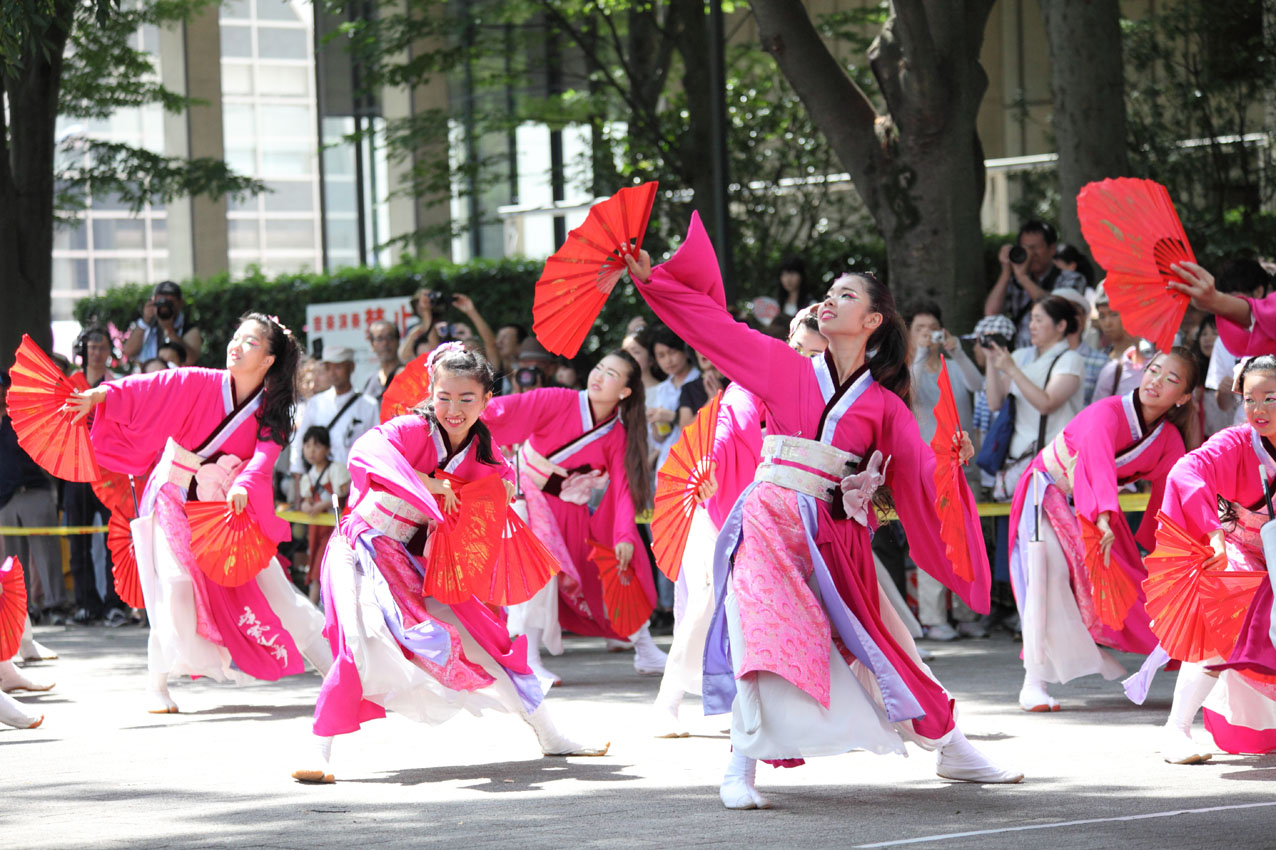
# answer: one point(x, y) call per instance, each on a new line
point(287, 331)
point(438, 354)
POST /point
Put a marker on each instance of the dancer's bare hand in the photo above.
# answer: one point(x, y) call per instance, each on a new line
point(510, 492)
point(78, 404)
point(624, 554)
point(965, 448)
point(1197, 284)
point(639, 266)
point(1106, 538)
point(708, 487)
point(237, 498)
point(1217, 561)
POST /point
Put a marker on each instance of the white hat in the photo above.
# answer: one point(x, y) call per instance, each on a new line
point(1071, 295)
point(337, 354)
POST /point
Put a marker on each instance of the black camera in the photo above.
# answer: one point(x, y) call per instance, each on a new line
point(438, 301)
point(1017, 254)
point(164, 310)
point(529, 376)
point(989, 340)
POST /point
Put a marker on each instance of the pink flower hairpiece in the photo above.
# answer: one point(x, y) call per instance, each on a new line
point(287, 331)
point(437, 354)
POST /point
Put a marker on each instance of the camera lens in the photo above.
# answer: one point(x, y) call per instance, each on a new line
point(436, 300)
point(1018, 254)
point(164, 309)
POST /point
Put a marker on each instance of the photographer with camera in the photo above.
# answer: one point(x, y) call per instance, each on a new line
point(426, 305)
point(1028, 273)
point(533, 367)
point(164, 317)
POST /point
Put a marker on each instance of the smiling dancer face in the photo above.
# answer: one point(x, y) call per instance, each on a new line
point(459, 400)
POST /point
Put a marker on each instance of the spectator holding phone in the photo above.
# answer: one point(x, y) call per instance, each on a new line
point(164, 317)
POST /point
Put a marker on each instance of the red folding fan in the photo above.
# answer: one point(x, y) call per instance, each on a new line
point(114, 492)
point(1135, 234)
point(407, 389)
point(13, 607)
point(1113, 591)
point(581, 274)
point(1196, 613)
point(623, 597)
point(949, 479)
point(461, 549)
point(230, 548)
point(688, 466)
point(35, 400)
point(119, 539)
point(522, 566)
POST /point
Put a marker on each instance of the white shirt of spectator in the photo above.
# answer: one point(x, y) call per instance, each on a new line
point(1027, 418)
point(1222, 368)
point(333, 478)
point(320, 409)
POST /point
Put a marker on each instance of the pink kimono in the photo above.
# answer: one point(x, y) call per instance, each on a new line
point(737, 449)
point(197, 409)
point(1105, 446)
point(558, 425)
point(386, 531)
point(776, 539)
point(1260, 337)
point(1227, 468)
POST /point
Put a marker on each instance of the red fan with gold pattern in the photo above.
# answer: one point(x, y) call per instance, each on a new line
point(522, 567)
point(1113, 591)
point(230, 548)
point(581, 274)
point(689, 464)
point(35, 400)
point(114, 492)
point(13, 607)
point(407, 389)
point(623, 597)
point(1196, 613)
point(462, 549)
point(119, 539)
point(949, 479)
point(1135, 234)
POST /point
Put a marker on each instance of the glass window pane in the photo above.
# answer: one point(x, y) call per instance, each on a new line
point(276, 10)
point(239, 120)
point(339, 161)
point(70, 275)
point(242, 204)
point(285, 80)
point(241, 157)
point(114, 272)
point(237, 41)
point(290, 235)
point(343, 239)
point(108, 201)
point(238, 9)
point(119, 234)
point(237, 78)
point(287, 121)
point(159, 267)
point(243, 234)
point(290, 197)
point(159, 234)
point(285, 159)
point(278, 43)
point(74, 238)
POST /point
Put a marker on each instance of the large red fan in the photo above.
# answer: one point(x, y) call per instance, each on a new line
point(1196, 613)
point(463, 548)
point(949, 479)
point(623, 597)
point(114, 492)
point(522, 567)
point(230, 548)
point(687, 467)
point(1113, 591)
point(13, 607)
point(581, 274)
point(1135, 234)
point(407, 389)
point(35, 400)
point(119, 539)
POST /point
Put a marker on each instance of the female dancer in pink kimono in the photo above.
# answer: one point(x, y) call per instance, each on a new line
point(737, 451)
point(393, 647)
point(1116, 440)
point(575, 443)
point(803, 650)
point(216, 434)
point(1216, 491)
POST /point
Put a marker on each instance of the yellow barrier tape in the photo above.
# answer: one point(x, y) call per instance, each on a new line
point(1130, 502)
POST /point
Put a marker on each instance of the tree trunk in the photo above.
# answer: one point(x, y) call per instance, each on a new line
point(1087, 81)
point(694, 149)
point(26, 189)
point(918, 167)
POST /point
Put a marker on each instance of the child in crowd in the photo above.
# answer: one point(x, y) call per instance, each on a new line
point(323, 480)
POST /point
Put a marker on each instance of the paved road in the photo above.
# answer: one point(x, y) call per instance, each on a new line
point(101, 773)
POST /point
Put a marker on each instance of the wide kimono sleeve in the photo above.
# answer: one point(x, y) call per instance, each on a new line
point(1169, 449)
point(514, 418)
point(682, 292)
point(911, 478)
point(140, 413)
point(1251, 342)
point(258, 477)
point(617, 498)
point(1092, 436)
point(388, 458)
point(737, 449)
point(1217, 468)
